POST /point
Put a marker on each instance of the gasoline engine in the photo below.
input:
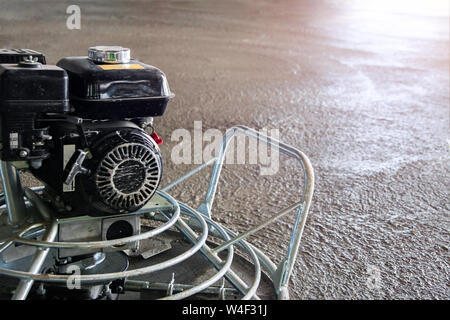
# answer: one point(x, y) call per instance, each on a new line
point(84, 127)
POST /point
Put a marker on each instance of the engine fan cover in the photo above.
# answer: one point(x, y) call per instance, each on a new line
point(126, 169)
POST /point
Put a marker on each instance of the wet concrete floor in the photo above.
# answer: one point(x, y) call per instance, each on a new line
point(361, 87)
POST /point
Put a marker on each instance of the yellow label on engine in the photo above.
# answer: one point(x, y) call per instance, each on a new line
point(120, 66)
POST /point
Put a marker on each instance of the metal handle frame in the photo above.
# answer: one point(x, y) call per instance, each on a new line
point(280, 274)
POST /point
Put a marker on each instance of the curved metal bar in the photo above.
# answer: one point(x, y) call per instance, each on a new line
point(237, 282)
point(243, 244)
point(187, 175)
point(117, 275)
point(221, 272)
point(50, 234)
point(108, 243)
point(21, 233)
point(24, 286)
point(284, 148)
point(284, 270)
point(257, 228)
point(266, 263)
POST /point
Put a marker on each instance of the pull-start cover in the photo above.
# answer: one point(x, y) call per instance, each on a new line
point(126, 168)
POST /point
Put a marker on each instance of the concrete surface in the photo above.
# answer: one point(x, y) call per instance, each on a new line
point(361, 87)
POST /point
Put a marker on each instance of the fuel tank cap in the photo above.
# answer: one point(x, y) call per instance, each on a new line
point(109, 54)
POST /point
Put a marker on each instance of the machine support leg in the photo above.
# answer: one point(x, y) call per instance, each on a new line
point(25, 285)
point(13, 193)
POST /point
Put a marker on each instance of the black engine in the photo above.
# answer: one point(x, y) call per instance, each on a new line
point(84, 127)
